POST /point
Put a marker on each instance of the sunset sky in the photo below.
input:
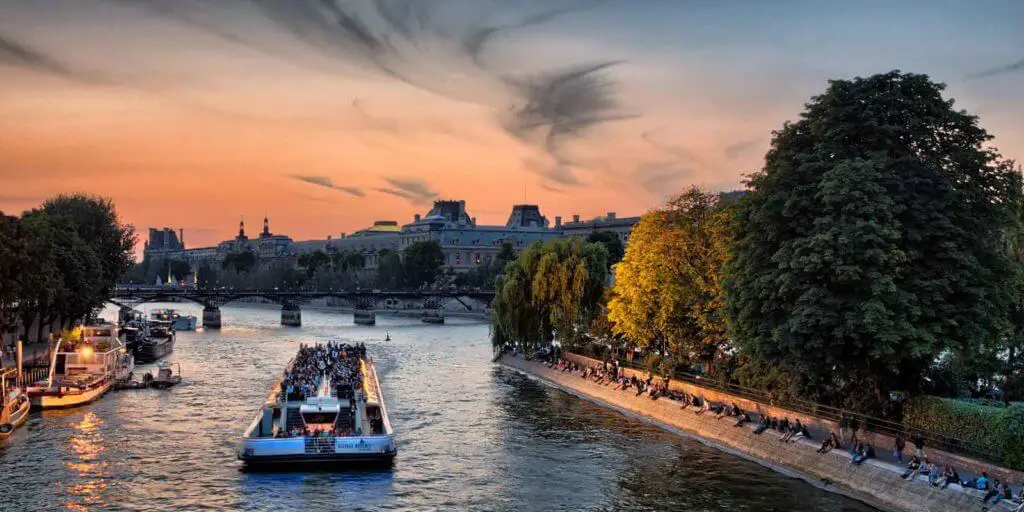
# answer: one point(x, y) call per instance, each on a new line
point(326, 115)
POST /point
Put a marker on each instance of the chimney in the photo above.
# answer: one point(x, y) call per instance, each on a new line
point(181, 236)
point(473, 220)
point(575, 218)
point(416, 218)
point(558, 221)
point(611, 215)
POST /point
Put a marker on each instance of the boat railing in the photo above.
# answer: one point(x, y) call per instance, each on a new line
point(318, 444)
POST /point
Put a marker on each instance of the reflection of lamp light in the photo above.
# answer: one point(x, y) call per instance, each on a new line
point(87, 352)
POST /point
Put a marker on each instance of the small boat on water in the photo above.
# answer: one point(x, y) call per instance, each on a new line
point(178, 321)
point(82, 370)
point(165, 376)
point(326, 408)
point(14, 405)
point(432, 317)
point(156, 342)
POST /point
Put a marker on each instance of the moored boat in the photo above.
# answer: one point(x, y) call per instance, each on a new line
point(83, 370)
point(432, 317)
point(14, 405)
point(179, 322)
point(165, 376)
point(326, 408)
point(156, 342)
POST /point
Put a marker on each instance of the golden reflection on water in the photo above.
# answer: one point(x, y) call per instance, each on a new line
point(90, 473)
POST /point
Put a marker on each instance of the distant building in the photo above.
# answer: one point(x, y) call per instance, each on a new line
point(465, 243)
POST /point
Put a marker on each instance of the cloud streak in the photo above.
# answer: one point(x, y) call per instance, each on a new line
point(1016, 67)
point(17, 54)
point(413, 190)
point(325, 182)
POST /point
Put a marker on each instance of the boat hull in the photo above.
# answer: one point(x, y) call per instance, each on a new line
point(145, 352)
point(184, 323)
point(51, 400)
point(337, 451)
point(16, 419)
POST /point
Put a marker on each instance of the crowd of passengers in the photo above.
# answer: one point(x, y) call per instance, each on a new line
point(338, 361)
point(941, 476)
point(337, 431)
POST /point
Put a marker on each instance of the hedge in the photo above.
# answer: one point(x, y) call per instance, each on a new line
point(998, 431)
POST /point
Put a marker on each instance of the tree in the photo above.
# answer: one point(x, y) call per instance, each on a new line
point(611, 242)
point(551, 291)
point(312, 261)
point(96, 222)
point(241, 261)
point(872, 241)
point(15, 265)
point(389, 269)
point(421, 262)
point(668, 289)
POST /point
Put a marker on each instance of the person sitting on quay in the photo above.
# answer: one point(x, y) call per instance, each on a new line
point(744, 419)
point(948, 476)
point(999, 491)
point(865, 452)
point(802, 433)
point(766, 423)
point(831, 442)
point(935, 474)
point(980, 483)
point(913, 468)
point(704, 407)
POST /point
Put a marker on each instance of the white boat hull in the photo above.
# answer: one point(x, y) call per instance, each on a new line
point(50, 400)
point(342, 450)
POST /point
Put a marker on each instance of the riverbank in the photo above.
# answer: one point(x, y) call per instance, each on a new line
point(876, 483)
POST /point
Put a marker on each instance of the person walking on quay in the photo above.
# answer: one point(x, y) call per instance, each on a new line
point(844, 423)
point(901, 444)
point(854, 427)
point(918, 442)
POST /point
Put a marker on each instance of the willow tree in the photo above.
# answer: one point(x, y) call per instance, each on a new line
point(668, 289)
point(551, 291)
point(872, 241)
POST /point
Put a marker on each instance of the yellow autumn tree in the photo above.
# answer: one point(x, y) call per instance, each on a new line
point(668, 288)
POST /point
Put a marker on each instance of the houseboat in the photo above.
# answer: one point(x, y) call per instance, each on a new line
point(82, 370)
point(14, 405)
point(156, 341)
point(432, 317)
point(178, 321)
point(326, 408)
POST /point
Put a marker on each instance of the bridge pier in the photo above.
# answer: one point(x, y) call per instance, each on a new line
point(291, 316)
point(211, 317)
point(365, 317)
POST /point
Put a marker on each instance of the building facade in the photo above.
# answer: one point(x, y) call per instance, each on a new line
point(465, 243)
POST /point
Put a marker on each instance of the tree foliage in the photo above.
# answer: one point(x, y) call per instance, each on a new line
point(668, 289)
point(551, 291)
point(421, 263)
point(611, 242)
point(872, 241)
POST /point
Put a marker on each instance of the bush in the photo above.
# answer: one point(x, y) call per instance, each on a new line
point(998, 431)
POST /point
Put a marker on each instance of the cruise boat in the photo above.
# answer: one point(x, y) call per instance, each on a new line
point(14, 405)
point(156, 342)
point(326, 408)
point(178, 321)
point(82, 371)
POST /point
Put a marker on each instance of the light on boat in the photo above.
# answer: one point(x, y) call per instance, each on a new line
point(86, 351)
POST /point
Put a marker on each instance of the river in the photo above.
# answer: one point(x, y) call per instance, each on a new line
point(471, 436)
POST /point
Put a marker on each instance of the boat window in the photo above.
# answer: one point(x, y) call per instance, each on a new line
point(319, 418)
point(59, 367)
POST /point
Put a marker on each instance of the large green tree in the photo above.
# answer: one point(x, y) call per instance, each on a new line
point(611, 242)
point(421, 263)
point(551, 291)
point(668, 289)
point(15, 265)
point(872, 241)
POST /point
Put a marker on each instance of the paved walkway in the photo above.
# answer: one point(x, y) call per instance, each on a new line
point(34, 354)
point(884, 455)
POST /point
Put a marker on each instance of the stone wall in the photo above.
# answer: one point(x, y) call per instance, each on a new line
point(876, 483)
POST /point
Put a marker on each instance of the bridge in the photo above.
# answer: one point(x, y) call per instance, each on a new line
point(364, 302)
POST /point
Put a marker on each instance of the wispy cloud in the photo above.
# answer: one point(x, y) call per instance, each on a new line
point(411, 189)
point(17, 54)
point(660, 178)
point(1016, 67)
point(324, 181)
point(739, 148)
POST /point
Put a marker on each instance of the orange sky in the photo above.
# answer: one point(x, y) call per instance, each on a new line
point(195, 125)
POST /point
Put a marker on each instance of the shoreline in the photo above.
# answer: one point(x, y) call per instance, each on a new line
point(874, 483)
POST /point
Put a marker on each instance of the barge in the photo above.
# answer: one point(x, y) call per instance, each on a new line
point(325, 409)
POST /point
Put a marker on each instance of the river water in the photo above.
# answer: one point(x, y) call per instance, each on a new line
point(471, 436)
